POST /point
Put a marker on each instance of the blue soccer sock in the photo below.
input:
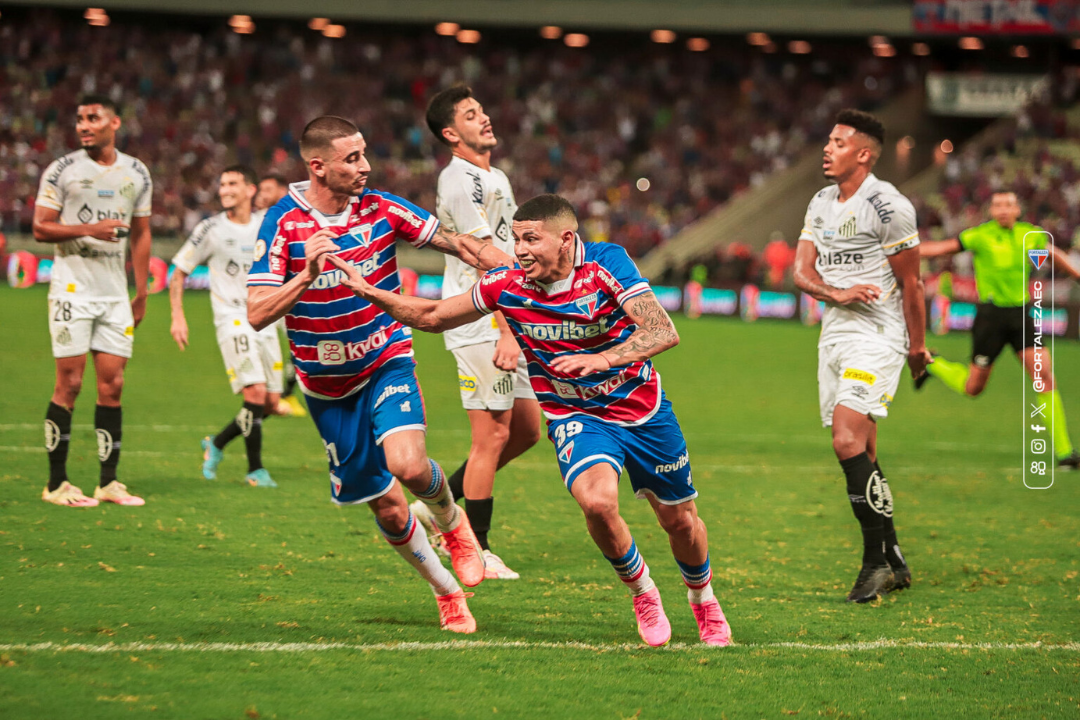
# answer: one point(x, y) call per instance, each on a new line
point(633, 571)
point(413, 545)
point(698, 579)
point(438, 498)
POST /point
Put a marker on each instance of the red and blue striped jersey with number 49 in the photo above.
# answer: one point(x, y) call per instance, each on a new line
point(338, 340)
point(582, 313)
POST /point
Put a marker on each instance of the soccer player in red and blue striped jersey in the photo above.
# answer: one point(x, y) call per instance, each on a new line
point(353, 361)
point(588, 324)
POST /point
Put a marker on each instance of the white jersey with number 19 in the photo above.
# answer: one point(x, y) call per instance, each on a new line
point(85, 192)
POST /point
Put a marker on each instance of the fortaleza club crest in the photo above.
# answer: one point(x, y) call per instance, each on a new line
point(1038, 257)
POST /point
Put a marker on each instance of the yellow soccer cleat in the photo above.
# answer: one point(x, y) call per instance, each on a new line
point(116, 492)
point(67, 495)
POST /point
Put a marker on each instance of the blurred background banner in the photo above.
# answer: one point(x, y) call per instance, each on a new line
point(983, 17)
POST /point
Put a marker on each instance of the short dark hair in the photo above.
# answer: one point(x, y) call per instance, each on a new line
point(249, 174)
point(276, 177)
point(440, 111)
point(545, 207)
point(103, 100)
point(863, 122)
point(320, 133)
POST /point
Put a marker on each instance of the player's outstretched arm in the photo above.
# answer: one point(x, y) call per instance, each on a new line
point(810, 281)
point(433, 316)
point(1061, 260)
point(940, 248)
point(267, 305)
point(905, 266)
point(48, 228)
point(655, 333)
point(179, 327)
point(473, 251)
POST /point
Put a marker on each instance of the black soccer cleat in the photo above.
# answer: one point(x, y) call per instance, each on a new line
point(1070, 463)
point(873, 581)
point(901, 578)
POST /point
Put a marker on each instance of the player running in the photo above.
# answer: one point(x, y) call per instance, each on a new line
point(353, 361)
point(588, 324)
point(89, 203)
point(272, 188)
point(858, 252)
point(504, 417)
point(999, 250)
point(225, 243)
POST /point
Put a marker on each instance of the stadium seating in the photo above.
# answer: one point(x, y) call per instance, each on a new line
point(643, 138)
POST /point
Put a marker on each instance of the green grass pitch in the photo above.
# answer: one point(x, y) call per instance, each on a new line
point(990, 628)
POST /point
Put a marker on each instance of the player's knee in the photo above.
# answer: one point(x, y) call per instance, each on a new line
point(256, 395)
point(69, 385)
point(109, 388)
point(411, 471)
point(393, 518)
point(600, 509)
point(679, 523)
point(528, 436)
point(497, 436)
point(846, 444)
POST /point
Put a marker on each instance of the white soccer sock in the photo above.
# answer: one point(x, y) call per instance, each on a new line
point(643, 584)
point(440, 500)
point(700, 595)
point(413, 545)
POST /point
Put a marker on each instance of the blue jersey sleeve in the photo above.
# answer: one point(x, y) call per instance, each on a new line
point(624, 280)
point(410, 222)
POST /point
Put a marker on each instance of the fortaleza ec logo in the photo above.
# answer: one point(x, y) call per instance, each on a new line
point(1038, 257)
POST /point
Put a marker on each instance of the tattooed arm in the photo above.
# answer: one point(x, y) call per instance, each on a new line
point(470, 250)
point(655, 333)
point(810, 281)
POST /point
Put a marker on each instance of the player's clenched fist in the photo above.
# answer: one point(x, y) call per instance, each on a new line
point(580, 364)
point(110, 230)
point(352, 278)
point(316, 249)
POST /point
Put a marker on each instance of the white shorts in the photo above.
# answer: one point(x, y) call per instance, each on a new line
point(251, 358)
point(484, 386)
point(860, 376)
point(79, 326)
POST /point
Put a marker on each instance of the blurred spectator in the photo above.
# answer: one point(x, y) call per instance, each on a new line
point(779, 257)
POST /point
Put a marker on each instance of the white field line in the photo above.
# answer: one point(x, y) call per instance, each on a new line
point(276, 647)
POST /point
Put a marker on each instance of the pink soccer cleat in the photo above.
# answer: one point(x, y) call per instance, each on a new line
point(466, 555)
point(712, 625)
point(117, 492)
point(454, 613)
point(67, 495)
point(652, 623)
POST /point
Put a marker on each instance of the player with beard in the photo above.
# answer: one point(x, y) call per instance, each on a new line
point(858, 252)
point(354, 362)
point(89, 203)
point(504, 417)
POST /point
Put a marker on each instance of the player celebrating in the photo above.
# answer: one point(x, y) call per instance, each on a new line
point(588, 323)
point(999, 251)
point(353, 361)
point(858, 253)
point(90, 201)
point(225, 243)
point(504, 417)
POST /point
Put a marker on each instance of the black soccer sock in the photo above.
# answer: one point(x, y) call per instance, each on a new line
point(57, 440)
point(892, 545)
point(457, 484)
point(228, 433)
point(250, 421)
point(479, 512)
point(290, 380)
point(867, 496)
point(107, 426)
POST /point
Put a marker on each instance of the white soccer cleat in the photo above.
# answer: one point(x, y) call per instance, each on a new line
point(495, 568)
point(67, 495)
point(422, 513)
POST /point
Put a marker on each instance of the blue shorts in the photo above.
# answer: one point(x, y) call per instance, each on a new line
point(353, 429)
point(653, 453)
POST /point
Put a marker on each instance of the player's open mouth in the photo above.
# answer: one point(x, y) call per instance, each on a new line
point(525, 263)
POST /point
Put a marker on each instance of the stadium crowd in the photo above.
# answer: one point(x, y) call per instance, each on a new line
point(642, 138)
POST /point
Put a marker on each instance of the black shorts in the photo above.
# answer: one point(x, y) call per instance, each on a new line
point(995, 327)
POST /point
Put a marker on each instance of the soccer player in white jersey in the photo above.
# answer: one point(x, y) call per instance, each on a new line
point(89, 203)
point(858, 252)
point(225, 243)
point(476, 199)
point(273, 187)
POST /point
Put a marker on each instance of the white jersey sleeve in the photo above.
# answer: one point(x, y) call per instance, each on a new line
point(51, 192)
point(898, 231)
point(197, 249)
point(144, 194)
